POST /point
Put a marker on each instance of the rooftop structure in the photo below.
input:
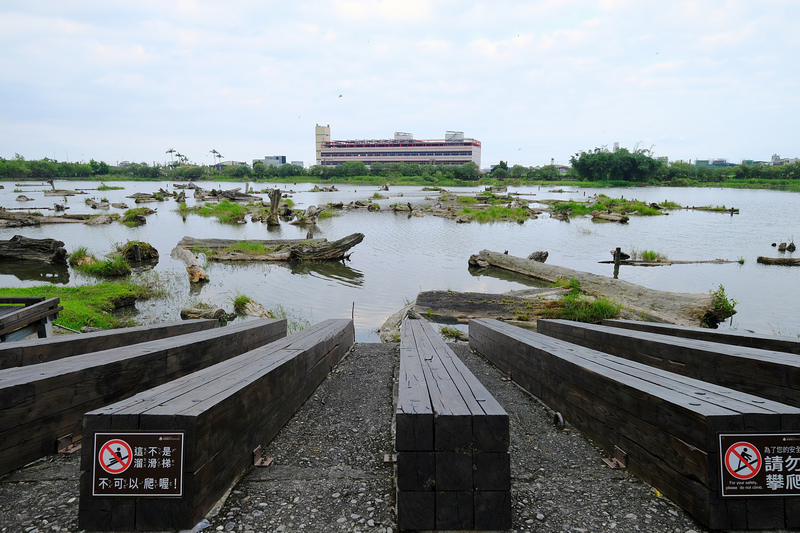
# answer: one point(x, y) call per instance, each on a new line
point(454, 149)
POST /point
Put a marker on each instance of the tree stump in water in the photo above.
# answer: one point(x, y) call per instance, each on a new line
point(21, 248)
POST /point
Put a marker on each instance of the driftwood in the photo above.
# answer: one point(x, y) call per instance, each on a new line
point(193, 268)
point(653, 305)
point(19, 248)
point(287, 250)
point(622, 219)
point(785, 261)
point(188, 313)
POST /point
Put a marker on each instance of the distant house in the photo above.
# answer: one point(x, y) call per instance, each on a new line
point(272, 160)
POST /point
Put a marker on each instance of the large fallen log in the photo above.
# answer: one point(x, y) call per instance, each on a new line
point(785, 261)
point(685, 309)
point(288, 250)
point(23, 248)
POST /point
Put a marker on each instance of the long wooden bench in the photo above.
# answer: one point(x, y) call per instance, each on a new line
point(773, 375)
point(222, 414)
point(21, 317)
point(671, 427)
point(35, 351)
point(40, 404)
point(453, 466)
point(739, 338)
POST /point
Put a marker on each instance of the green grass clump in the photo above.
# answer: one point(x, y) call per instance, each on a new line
point(82, 261)
point(451, 333)
point(648, 255)
point(723, 307)
point(129, 216)
point(239, 303)
point(104, 187)
point(467, 200)
point(495, 213)
point(249, 247)
point(89, 305)
point(576, 306)
point(224, 211)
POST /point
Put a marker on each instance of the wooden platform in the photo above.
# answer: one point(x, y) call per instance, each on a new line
point(222, 413)
point(40, 404)
point(766, 373)
point(35, 351)
point(668, 425)
point(738, 338)
point(453, 467)
point(22, 317)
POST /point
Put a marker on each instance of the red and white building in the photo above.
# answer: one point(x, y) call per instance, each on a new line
point(454, 149)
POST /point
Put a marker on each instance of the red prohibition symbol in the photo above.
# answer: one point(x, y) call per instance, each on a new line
point(115, 456)
point(743, 460)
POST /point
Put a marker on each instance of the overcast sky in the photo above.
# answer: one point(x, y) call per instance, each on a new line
point(532, 80)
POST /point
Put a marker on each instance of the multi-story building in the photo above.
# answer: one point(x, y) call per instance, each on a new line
point(273, 160)
point(454, 149)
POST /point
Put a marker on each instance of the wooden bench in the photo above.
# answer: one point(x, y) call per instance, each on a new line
point(669, 426)
point(222, 414)
point(766, 373)
point(41, 404)
point(35, 351)
point(453, 466)
point(738, 338)
point(21, 317)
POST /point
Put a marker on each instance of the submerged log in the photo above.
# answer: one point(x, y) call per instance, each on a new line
point(193, 268)
point(785, 261)
point(19, 248)
point(685, 309)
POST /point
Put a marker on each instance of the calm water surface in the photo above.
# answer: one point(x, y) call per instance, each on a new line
point(401, 256)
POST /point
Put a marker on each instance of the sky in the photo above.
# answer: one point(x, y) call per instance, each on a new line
point(533, 80)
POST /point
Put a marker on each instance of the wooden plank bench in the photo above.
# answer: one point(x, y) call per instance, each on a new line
point(35, 351)
point(766, 373)
point(40, 404)
point(21, 317)
point(222, 413)
point(453, 466)
point(738, 338)
point(670, 426)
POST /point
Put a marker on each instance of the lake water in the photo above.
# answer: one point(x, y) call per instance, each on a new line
point(401, 255)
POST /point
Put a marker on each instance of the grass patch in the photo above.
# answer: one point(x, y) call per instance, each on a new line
point(249, 247)
point(467, 200)
point(91, 305)
point(104, 187)
point(648, 255)
point(239, 303)
point(495, 213)
point(577, 306)
point(131, 217)
point(82, 261)
point(224, 211)
point(723, 307)
point(449, 332)
point(612, 205)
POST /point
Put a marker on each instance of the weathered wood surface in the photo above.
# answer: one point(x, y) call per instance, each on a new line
point(785, 261)
point(767, 373)
point(46, 250)
point(658, 306)
point(284, 250)
point(452, 437)
point(225, 411)
point(666, 423)
point(21, 317)
point(41, 403)
point(35, 351)
point(738, 338)
point(610, 217)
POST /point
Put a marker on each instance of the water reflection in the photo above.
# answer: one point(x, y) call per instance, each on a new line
point(507, 275)
point(35, 271)
point(333, 270)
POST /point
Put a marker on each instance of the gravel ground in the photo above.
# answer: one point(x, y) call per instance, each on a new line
point(328, 471)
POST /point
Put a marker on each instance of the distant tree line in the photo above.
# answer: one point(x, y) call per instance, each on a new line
point(597, 165)
point(640, 167)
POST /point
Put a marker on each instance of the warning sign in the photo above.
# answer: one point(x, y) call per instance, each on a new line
point(760, 464)
point(115, 456)
point(138, 464)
